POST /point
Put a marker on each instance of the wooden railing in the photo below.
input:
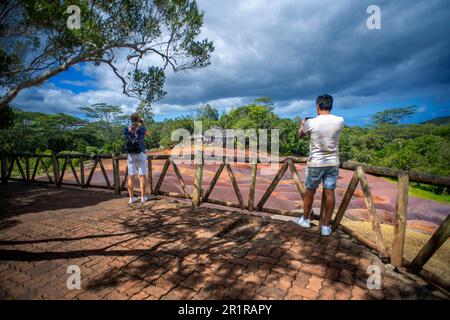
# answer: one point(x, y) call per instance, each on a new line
point(198, 196)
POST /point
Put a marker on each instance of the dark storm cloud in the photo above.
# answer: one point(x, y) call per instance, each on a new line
point(293, 50)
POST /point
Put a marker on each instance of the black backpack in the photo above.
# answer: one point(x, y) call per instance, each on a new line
point(133, 144)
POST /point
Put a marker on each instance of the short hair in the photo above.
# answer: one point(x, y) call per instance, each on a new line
point(134, 117)
point(325, 102)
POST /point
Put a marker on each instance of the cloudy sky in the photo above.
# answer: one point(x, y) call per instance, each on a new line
point(292, 51)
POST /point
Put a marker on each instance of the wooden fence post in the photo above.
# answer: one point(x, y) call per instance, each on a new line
point(213, 182)
point(436, 241)
point(235, 186)
point(27, 168)
point(4, 170)
point(272, 186)
point(36, 165)
point(323, 207)
point(180, 178)
point(373, 216)
point(197, 193)
point(82, 181)
point(63, 171)
point(55, 169)
point(251, 193)
point(345, 201)
point(150, 175)
point(116, 175)
point(298, 182)
point(401, 212)
point(162, 175)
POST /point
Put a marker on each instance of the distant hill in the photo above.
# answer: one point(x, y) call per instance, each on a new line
point(438, 121)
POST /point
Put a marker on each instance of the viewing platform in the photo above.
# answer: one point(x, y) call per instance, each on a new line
point(168, 249)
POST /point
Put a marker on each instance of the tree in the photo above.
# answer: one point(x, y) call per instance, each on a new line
point(35, 130)
point(145, 112)
point(207, 112)
point(392, 116)
point(7, 117)
point(109, 122)
point(37, 44)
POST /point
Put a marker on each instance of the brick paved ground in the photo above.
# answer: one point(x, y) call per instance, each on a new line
point(168, 250)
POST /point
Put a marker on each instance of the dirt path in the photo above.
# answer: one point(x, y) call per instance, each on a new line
point(168, 250)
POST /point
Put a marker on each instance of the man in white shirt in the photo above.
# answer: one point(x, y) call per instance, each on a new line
point(323, 161)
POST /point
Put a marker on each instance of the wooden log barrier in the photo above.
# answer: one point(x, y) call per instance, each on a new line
point(213, 182)
point(235, 186)
point(35, 168)
point(150, 175)
point(55, 169)
point(125, 178)
point(388, 172)
point(45, 168)
point(323, 207)
point(272, 186)
point(4, 164)
point(91, 173)
point(19, 166)
point(104, 173)
point(180, 179)
point(197, 192)
point(116, 175)
point(345, 201)
point(373, 216)
point(63, 171)
point(161, 177)
point(401, 212)
point(27, 169)
point(82, 179)
point(251, 193)
point(74, 171)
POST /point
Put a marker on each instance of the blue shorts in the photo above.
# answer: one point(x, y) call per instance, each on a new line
point(328, 175)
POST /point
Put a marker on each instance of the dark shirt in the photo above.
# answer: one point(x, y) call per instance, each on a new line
point(130, 135)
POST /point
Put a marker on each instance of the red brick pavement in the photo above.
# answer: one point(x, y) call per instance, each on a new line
point(168, 250)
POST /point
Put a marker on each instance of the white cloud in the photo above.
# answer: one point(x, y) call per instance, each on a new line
point(63, 100)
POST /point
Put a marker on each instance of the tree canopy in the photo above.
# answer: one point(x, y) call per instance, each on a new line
point(392, 116)
point(37, 44)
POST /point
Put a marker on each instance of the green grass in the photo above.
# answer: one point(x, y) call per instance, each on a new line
point(424, 191)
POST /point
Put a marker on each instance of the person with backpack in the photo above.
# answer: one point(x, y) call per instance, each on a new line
point(137, 158)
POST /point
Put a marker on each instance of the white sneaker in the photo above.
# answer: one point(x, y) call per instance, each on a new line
point(326, 231)
point(305, 223)
point(144, 199)
point(132, 200)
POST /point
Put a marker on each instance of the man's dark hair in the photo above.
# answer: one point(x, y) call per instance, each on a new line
point(325, 102)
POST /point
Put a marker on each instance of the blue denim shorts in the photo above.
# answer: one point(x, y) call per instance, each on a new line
point(328, 175)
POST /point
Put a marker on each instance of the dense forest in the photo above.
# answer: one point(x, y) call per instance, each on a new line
point(419, 147)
